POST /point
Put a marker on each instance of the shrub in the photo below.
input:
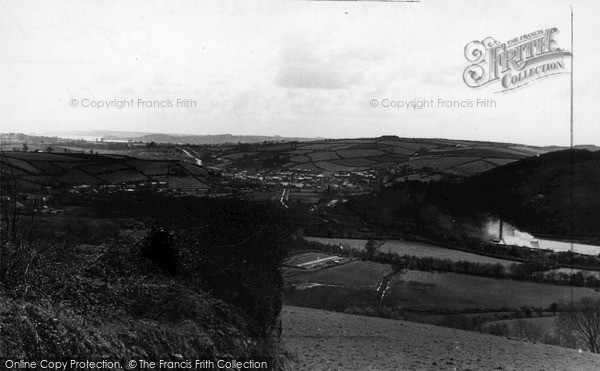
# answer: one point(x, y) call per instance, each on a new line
point(16, 261)
point(159, 248)
point(231, 248)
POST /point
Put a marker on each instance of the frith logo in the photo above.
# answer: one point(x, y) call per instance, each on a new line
point(516, 62)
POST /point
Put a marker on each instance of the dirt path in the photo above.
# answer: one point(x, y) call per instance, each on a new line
point(336, 341)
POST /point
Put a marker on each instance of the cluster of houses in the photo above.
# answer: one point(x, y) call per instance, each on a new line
point(107, 189)
point(309, 181)
point(29, 203)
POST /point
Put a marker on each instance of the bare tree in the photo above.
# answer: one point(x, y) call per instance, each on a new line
point(8, 201)
point(582, 319)
point(16, 255)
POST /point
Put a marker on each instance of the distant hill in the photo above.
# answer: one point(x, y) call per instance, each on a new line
point(535, 192)
point(338, 155)
point(33, 170)
point(97, 134)
point(532, 194)
point(172, 138)
point(215, 139)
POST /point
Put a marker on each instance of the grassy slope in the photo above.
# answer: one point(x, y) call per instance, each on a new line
point(108, 301)
point(432, 290)
point(36, 330)
point(335, 341)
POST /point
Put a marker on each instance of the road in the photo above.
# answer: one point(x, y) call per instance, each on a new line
point(198, 161)
point(285, 196)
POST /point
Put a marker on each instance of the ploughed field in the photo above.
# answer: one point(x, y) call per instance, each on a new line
point(324, 340)
point(34, 170)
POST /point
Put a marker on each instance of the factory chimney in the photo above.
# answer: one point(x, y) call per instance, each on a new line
point(500, 231)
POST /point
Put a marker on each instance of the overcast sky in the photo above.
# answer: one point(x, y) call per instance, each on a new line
point(289, 68)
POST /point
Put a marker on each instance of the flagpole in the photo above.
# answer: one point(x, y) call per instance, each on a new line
point(571, 76)
point(571, 206)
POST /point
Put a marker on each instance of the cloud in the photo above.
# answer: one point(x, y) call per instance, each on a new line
point(311, 62)
point(321, 76)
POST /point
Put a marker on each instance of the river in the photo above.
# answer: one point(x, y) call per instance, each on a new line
point(558, 246)
point(566, 246)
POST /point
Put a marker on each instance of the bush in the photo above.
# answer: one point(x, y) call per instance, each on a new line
point(16, 261)
point(220, 278)
point(231, 248)
point(159, 248)
point(497, 329)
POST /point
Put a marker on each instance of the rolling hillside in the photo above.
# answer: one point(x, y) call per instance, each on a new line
point(337, 341)
point(535, 193)
point(34, 170)
point(337, 155)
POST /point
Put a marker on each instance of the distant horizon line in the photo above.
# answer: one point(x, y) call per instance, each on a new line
point(136, 134)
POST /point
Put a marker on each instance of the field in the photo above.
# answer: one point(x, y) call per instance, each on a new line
point(414, 248)
point(547, 323)
point(313, 260)
point(354, 285)
point(456, 292)
point(352, 243)
point(337, 341)
point(355, 274)
point(302, 259)
point(35, 170)
point(339, 155)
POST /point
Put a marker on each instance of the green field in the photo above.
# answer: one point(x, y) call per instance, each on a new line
point(356, 274)
point(418, 293)
point(456, 292)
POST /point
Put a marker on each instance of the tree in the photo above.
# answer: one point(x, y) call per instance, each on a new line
point(371, 247)
point(582, 319)
point(16, 253)
point(554, 308)
point(527, 330)
point(234, 248)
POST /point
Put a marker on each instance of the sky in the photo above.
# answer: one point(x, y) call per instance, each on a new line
point(289, 68)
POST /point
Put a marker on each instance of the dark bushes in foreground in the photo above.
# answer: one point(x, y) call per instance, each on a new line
point(205, 283)
point(231, 248)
